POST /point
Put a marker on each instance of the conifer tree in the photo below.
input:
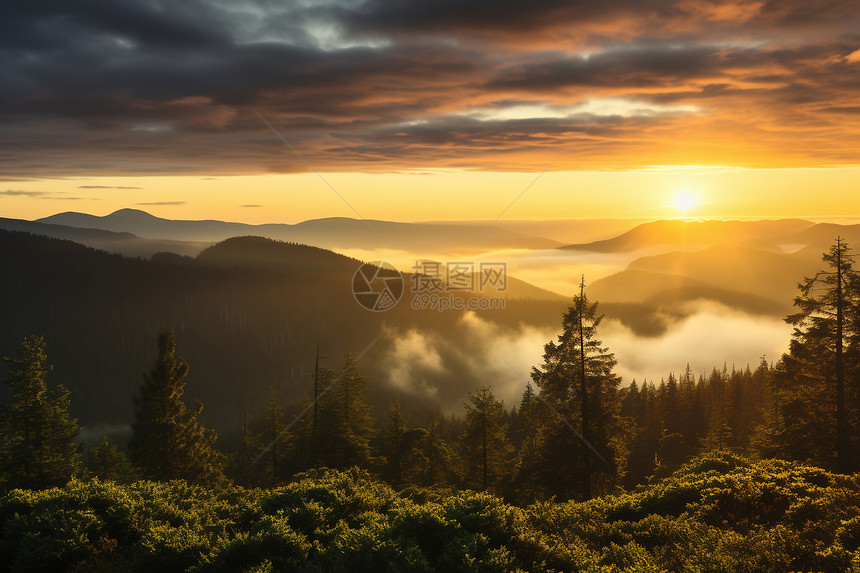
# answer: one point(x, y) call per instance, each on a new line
point(809, 382)
point(576, 380)
point(36, 430)
point(274, 430)
point(351, 418)
point(243, 469)
point(398, 444)
point(168, 440)
point(521, 419)
point(486, 451)
point(636, 406)
point(670, 400)
point(719, 431)
point(340, 420)
point(435, 465)
point(799, 418)
point(109, 463)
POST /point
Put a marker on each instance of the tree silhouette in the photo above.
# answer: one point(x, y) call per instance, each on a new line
point(274, 429)
point(486, 451)
point(109, 463)
point(37, 432)
point(822, 331)
point(341, 421)
point(351, 418)
point(577, 383)
point(398, 444)
point(168, 441)
point(242, 468)
point(436, 467)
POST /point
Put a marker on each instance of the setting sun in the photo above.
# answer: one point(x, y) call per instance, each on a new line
point(685, 200)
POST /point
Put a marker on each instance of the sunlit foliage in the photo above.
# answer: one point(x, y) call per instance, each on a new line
point(720, 512)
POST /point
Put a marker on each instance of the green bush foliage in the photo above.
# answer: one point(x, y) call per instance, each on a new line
point(719, 512)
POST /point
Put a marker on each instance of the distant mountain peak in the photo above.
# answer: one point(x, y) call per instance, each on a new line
point(134, 213)
point(64, 213)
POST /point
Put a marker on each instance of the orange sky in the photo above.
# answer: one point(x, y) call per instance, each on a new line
point(453, 195)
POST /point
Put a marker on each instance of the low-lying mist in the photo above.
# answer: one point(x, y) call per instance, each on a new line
point(555, 270)
point(711, 335)
point(433, 367)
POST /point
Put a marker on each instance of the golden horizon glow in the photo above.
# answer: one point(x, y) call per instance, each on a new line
point(448, 195)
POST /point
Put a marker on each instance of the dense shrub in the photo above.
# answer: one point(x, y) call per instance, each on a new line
point(718, 513)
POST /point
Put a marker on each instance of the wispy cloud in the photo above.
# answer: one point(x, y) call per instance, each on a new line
point(20, 193)
point(54, 195)
point(105, 187)
point(163, 203)
point(250, 206)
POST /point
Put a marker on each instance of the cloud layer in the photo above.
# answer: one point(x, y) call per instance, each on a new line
point(129, 87)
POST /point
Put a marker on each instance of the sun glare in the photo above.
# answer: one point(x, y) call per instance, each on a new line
point(685, 200)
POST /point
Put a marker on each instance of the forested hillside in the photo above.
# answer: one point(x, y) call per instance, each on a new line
point(243, 327)
point(248, 314)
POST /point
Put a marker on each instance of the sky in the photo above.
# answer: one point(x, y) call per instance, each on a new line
point(264, 111)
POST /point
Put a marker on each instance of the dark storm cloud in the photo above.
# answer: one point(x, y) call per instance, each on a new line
point(524, 19)
point(155, 24)
point(130, 87)
point(655, 64)
point(394, 16)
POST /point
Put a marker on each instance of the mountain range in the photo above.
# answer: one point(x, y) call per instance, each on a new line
point(749, 265)
point(331, 233)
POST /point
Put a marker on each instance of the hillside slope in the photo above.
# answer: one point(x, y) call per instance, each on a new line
point(696, 234)
point(248, 314)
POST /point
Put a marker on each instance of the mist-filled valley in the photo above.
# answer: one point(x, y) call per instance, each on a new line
point(249, 312)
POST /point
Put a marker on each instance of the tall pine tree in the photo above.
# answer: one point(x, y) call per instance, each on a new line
point(399, 446)
point(576, 382)
point(340, 420)
point(168, 441)
point(809, 382)
point(486, 451)
point(36, 430)
point(243, 468)
point(275, 436)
